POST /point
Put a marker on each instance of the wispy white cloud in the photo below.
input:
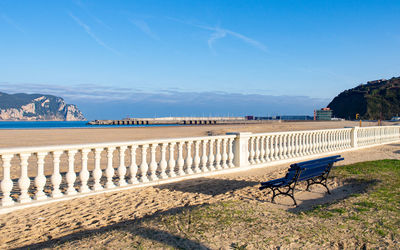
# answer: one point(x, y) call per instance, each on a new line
point(89, 31)
point(12, 23)
point(144, 27)
point(219, 33)
point(81, 5)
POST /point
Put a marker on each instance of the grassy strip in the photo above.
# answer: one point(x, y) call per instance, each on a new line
point(366, 219)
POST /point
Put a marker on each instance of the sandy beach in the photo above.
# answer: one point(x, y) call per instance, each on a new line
point(44, 225)
point(42, 137)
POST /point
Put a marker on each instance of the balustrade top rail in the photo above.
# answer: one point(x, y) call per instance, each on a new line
point(107, 144)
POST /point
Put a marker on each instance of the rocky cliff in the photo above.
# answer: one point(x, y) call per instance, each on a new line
point(375, 100)
point(36, 107)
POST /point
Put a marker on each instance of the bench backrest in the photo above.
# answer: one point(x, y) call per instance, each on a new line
point(325, 159)
point(313, 168)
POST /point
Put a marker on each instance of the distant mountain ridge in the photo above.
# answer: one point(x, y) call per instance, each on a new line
point(375, 100)
point(37, 107)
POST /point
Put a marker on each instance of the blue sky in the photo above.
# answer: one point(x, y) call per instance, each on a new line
point(171, 53)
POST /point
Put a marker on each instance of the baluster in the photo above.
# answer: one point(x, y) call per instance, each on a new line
point(56, 177)
point(196, 157)
point(189, 159)
point(71, 175)
point(319, 142)
point(171, 160)
point(267, 148)
point(218, 155)
point(144, 166)
point(84, 174)
point(153, 163)
point(333, 136)
point(310, 143)
point(230, 154)
point(251, 153)
point(289, 146)
point(257, 150)
point(24, 181)
point(297, 145)
point(293, 145)
point(163, 162)
point(284, 146)
point(122, 167)
point(325, 142)
point(97, 173)
point(133, 169)
point(307, 143)
point(6, 183)
point(280, 156)
point(311, 140)
point(262, 149)
point(40, 180)
point(329, 141)
point(110, 169)
point(303, 143)
point(180, 161)
point(224, 154)
point(204, 157)
point(211, 156)
point(272, 147)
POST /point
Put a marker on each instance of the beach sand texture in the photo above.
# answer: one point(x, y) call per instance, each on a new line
point(73, 218)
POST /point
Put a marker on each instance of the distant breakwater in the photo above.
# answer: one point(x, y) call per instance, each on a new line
point(177, 121)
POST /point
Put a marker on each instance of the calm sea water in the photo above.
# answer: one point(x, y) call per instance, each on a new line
point(57, 124)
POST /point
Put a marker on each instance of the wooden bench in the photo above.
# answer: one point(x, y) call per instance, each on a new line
point(314, 172)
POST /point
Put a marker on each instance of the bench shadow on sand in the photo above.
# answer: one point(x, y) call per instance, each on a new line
point(350, 188)
point(208, 186)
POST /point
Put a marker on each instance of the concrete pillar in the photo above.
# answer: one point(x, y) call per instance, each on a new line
point(241, 148)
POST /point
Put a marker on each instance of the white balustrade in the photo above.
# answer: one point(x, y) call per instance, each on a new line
point(24, 182)
point(211, 157)
point(224, 154)
point(171, 160)
point(144, 166)
point(153, 164)
point(97, 173)
point(218, 155)
point(56, 177)
point(180, 160)
point(40, 180)
point(187, 157)
point(133, 168)
point(6, 183)
point(204, 157)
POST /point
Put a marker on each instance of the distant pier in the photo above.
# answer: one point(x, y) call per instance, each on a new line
point(176, 121)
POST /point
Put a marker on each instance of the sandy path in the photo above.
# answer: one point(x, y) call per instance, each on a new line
point(73, 218)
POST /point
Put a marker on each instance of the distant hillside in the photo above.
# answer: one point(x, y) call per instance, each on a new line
point(35, 107)
point(375, 100)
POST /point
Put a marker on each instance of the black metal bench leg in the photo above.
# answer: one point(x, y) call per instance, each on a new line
point(326, 186)
point(308, 185)
point(273, 195)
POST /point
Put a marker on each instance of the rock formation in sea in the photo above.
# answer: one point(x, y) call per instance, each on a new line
point(37, 107)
